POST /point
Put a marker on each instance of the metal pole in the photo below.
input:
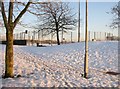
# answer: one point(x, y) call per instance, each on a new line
point(33, 35)
point(29, 35)
point(51, 38)
point(79, 22)
point(62, 37)
point(20, 36)
point(100, 36)
point(38, 35)
point(86, 44)
point(71, 37)
point(89, 36)
point(119, 21)
point(105, 35)
point(42, 38)
point(94, 36)
point(24, 35)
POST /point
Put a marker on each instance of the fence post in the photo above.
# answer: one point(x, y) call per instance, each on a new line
point(100, 36)
point(89, 36)
point(94, 35)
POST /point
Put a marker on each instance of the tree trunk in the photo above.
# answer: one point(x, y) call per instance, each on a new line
point(58, 41)
point(9, 54)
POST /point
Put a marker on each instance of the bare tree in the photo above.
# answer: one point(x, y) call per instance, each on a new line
point(12, 11)
point(10, 25)
point(116, 12)
point(57, 17)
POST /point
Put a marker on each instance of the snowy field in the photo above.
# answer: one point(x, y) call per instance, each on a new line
point(62, 66)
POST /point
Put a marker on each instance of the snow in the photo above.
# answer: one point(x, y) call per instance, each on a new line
point(62, 66)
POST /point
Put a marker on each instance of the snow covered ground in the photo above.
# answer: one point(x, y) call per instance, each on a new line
point(62, 66)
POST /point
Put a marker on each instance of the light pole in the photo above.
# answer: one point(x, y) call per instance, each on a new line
point(118, 20)
point(94, 35)
point(42, 37)
point(51, 38)
point(100, 36)
point(105, 36)
point(62, 36)
point(38, 35)
point(89, 36)
point(86, 44)
point(71, 33)
point(79, 22)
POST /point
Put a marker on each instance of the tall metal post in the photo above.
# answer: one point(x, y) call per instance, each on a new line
point(62, 36)
point(38, 35)
point(42, 37)
point(89, 36)
point(100, 36)
point(24, 35)
point(51, 38)
point(71, 37)
point(34, 36)
point(94, 35)
point(105, 35)
point(79, 22)
point(119, 20)
point(86, 44)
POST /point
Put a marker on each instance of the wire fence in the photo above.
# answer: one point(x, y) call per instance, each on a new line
point(39, 37)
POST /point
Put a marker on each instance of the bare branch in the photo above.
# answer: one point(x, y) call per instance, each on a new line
point(21, 13)
point(116, 19)
point(3, 14)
